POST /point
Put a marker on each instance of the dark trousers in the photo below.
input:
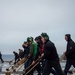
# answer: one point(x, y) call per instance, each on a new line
point(69, 63)
point(52, 63)
point(28, 63)
point(52, 70)
point(43, 64)
point(1, 59)
point(38, 68)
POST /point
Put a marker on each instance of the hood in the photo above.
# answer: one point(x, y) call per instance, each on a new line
point(69, 37)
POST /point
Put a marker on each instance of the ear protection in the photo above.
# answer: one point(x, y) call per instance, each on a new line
point(47, 38)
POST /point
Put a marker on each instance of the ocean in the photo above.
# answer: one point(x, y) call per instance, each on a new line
point(8, 57)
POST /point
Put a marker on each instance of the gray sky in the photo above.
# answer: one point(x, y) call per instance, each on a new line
point(22, 18)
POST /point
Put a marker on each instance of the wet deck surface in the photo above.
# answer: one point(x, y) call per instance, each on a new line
point(6, 65)
point(35, 73)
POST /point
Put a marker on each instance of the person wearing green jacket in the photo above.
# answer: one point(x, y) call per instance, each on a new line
point(33, 47)
point(32, 53)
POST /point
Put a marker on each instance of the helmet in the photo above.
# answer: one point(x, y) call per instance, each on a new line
point(25, 42)
point(68, 36)
point(38, 38)
point(29, 39)
point(45, 35)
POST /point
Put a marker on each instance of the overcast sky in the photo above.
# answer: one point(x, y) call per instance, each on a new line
point(22, 18)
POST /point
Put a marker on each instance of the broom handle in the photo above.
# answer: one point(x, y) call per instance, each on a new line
point(32, 68)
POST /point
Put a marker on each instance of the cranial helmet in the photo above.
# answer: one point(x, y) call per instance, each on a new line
point(29, 39)
point(45, 35)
